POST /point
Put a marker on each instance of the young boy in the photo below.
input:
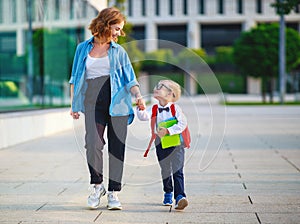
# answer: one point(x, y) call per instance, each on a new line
point(170, 157)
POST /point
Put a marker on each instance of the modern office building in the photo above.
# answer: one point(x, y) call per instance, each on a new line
point(192, 23)
point(200, 23)
point(29, 75)
point(73, 16)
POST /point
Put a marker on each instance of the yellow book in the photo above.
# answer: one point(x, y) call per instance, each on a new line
point(169, 140)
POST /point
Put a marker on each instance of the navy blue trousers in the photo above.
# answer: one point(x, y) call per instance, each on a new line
point(171, 161)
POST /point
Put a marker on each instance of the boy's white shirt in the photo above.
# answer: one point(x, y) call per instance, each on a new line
point(145, 115)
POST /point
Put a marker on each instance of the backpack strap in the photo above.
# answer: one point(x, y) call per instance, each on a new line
point(186, 132)
point(153, 135)
point(172, 107)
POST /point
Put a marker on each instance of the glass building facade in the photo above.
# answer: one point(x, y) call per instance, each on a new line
point(38, 39)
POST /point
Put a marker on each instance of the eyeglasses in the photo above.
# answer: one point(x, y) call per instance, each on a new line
point(160, 85)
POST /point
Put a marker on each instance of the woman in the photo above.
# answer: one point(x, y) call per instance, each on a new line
point(102, 83)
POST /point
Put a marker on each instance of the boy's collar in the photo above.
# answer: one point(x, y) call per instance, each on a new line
point(167, 105)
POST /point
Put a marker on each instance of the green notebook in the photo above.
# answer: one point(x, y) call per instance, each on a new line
point(169, 140)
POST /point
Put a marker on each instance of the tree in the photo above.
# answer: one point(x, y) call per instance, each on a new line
point(256, 54)
point(283, 7)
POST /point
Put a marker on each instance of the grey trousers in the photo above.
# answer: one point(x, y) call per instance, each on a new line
point(97, 118)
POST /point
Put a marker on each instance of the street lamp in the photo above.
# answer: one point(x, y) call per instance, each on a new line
point(30, 51)
point(282, 54)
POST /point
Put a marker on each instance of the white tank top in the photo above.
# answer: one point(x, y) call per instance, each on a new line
point(97, 67)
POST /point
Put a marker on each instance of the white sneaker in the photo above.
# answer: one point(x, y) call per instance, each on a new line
point(181, 203)
point(97, 192)
point(113, 201)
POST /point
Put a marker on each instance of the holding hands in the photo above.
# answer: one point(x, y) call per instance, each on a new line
point(140, 102)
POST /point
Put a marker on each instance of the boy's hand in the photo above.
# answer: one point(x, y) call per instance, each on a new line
point(161, 132)
point(140, 102)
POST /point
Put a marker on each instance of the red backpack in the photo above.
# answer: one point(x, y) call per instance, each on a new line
point(185, 134)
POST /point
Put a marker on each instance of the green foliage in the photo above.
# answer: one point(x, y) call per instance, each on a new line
point(158, 57)
point(136, 56)
point(127, 30)
point(190, 59)
point(229, 83)
point(8, 89)
point(256, 51)
point(156, 77)
point(190, 55)
point(224, 55)
point(285, 6)
point(293, 50)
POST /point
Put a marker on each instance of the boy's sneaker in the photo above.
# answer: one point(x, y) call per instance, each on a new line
point(113, 201)
point(168, 199)
point(97, 192)
point(181, 202)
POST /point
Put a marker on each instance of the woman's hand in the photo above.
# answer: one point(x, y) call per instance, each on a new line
point(75, 115)
point(140, 102)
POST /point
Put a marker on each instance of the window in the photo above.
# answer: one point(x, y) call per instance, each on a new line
point(1, 10)
point(201, 7)
point(259, 6)
point(30, 8)
point(220, 6)
point(216, 35)
point(83, 8)
point(14, 10)
point(138, 33)
point(143, 7)
point(8, 44)
point(171, 12)
point(297, 8)
point(129, 7)
point(240, 6)
point(71, 9)
point(56, 15)
point(44, 9)
point(172, 33)
point(157, 7)
point(185, 7)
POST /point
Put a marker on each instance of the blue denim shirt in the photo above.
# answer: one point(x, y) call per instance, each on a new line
point(122, 78)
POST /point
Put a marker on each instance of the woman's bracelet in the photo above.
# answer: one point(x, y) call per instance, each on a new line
point(138, 96)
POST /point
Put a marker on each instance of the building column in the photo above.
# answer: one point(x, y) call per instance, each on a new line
point(248, 24)
point(193, 38)
point(87, 33)
point(20, 34)
point(7, 16)
point(151, 37)
point(190, 84)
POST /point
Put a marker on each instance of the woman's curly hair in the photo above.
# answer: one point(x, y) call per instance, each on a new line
point(101, 25)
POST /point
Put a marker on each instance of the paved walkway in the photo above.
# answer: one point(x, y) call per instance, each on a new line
point(243, 167)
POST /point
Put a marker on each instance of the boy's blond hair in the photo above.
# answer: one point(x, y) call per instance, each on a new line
point(176, 89)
